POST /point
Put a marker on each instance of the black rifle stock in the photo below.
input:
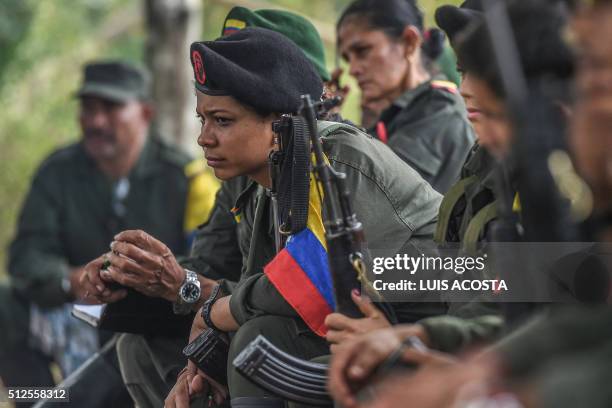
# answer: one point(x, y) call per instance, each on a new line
point(281, 373)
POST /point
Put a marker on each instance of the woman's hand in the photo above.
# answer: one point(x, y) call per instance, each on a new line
point(355, 361)
point(333, 88)
point(341, 328)
point(221, 315)
point(440, 382)
point(199, 383)
point(180, 396)
point(193, 382)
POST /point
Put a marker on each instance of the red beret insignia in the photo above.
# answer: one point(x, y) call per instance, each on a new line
point(198, 67)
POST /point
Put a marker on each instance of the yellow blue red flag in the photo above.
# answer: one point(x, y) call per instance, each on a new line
point(300, 272)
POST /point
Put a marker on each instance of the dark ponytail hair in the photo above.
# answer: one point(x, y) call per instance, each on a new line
point(392, 17)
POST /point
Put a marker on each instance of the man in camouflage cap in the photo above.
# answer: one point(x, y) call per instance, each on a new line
point(118, 176)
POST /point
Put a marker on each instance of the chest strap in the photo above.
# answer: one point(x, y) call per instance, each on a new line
point(477, 225)
point(451, 198)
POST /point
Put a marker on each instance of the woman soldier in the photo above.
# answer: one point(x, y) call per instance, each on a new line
point(424, 119)
point(244, 82)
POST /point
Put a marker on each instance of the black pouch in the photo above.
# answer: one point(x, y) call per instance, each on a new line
point(209, 353)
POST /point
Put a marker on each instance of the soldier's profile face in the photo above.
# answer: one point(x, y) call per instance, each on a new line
point(494, 127)
point(109, 128)
point(378, 63)
point(235, 139)
point(590, 137)
point(471, 102)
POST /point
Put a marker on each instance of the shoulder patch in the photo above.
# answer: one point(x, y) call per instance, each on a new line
point(203, 188)
point(445, 85)
point(194, 167)
point(516, 204)
point(326, 128)
point(237, 213)
point(232, 25)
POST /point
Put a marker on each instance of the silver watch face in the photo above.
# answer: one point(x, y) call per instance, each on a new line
point(190, 292)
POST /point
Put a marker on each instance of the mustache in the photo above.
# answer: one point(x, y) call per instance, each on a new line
point(101, 133)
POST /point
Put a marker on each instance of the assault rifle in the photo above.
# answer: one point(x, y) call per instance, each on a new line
point(538, 136)
point(264, 364)
point(343, 232)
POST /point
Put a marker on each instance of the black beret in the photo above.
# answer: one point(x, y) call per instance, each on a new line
point(452, 20)
point(259, 67)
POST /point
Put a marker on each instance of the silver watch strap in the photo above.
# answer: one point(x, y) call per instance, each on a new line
point(181, 307)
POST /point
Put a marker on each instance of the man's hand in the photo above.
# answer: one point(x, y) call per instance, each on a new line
point(342, 328)
point(92, 288)
point(142, 262)
point(77, 290)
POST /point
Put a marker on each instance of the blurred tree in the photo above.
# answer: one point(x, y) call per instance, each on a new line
point(38, 113)
point(172, 25)
point(15, 18)
point(43, 45)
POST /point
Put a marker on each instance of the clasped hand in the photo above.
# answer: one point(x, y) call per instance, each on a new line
point(139, 261)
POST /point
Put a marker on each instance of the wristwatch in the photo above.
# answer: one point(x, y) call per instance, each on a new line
point(214, 296)
point(188, 295)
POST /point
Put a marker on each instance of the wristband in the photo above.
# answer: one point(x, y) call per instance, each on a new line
point(207, 307)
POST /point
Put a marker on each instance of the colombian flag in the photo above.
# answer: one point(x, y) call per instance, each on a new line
point(233, 25)
point(300, 272)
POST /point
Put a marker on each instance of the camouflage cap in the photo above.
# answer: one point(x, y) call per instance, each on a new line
point(116, 81)
point(291, 25)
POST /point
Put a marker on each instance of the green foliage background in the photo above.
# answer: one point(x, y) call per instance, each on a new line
point(43, 45)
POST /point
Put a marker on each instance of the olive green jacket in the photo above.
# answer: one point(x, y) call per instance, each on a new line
point(428, 128)
point(563, 355)
point(478, 321)
point(396, 206)
point(216, 252)
point(464, 200)
point(71, 214)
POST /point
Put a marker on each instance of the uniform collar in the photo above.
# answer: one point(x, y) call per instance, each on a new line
point(150, 158)
point(243, 197)
point(405, 100)
point(480, 162)
point(408, 97)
